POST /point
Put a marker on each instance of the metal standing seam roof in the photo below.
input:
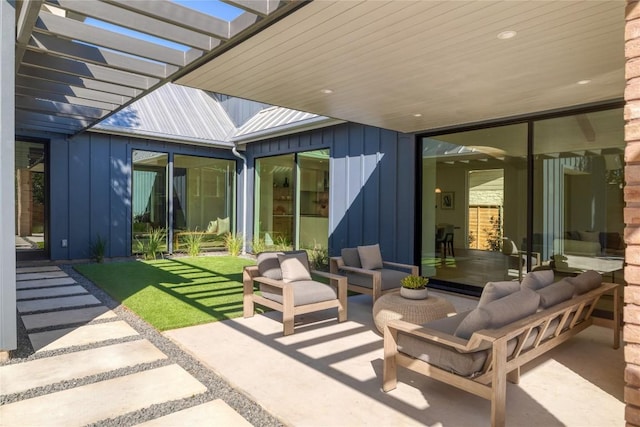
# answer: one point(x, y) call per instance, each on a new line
point(174, 112)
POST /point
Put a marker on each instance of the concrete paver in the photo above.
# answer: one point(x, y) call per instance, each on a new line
point(55, 303)
point(37, 269)
point(214, 413)
point(66, 317)
point(50, 292)
point(50, 370)
point(40, 275)
point(88, 334)
point(44, 283)
point(105, 399)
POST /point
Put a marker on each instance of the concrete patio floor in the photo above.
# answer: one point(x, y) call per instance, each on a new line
point(329, 374)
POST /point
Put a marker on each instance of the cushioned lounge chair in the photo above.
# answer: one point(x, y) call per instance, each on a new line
point(286, 285)
point(367, 273)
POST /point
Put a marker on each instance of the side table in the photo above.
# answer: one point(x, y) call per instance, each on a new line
point(392, 306)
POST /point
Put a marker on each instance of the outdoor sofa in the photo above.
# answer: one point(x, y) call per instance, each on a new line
point(479, 350)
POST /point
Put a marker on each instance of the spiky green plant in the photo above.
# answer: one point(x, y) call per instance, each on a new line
point(258, 245)
point(233, 243)
point(154, 242)
point(318, 258)
point(98, 247)
point(193, 242)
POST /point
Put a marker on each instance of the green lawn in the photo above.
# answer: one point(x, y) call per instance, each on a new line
point(174, 293)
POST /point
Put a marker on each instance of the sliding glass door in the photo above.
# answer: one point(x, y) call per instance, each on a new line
point(292, 203)
point(149, 205)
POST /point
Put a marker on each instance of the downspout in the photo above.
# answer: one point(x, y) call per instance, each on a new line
point(236, 153)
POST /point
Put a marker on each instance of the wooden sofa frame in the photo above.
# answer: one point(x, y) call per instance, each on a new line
point(491, 382)
point(251, 274)
point(336, 264)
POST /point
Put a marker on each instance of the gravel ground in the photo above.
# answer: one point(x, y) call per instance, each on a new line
point(217, 388)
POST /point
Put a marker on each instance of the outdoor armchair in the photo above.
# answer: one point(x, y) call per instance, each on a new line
point(286, 285)
point(367, 273)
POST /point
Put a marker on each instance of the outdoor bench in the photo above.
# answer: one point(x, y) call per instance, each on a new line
point(484, 362)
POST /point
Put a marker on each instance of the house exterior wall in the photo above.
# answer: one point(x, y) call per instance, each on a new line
point(372, 185)
point(632, 215)
point(90, 182)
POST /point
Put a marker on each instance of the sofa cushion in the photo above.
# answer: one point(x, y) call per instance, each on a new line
point(304, 292)
point(556, 293)
point(538, 279)
point(223, 225)
point(496, 290)
point(589, 236)
point(585, 282)
point(294, 266)
point(499, 313)
point(213, 226)
point(269, 266)
point(389, 278)
point(370, 257)
point(350, 257)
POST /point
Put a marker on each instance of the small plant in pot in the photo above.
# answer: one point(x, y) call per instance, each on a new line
point(414, 287)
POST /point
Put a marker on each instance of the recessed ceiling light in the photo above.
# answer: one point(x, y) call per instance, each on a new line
point(326, 91)
point(417, 115)
point(583, 82)
point(505, 35)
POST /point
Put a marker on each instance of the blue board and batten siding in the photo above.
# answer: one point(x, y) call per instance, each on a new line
point(90, 181)
point(372, 194)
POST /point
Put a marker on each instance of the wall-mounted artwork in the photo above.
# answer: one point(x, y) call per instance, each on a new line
point(448, 199)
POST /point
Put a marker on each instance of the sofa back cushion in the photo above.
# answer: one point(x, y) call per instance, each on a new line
point(538, 279)
point(556, 293)
point(585, 282)
point(294, 266)
point(496, 290)
point(370, 257)
point(350, 257)
point(499, 313)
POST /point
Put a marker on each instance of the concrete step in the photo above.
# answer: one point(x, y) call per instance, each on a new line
point(66, 317)
point(44, 283)
point(50, 292)
point(38, 269)
point(214, 413)
point(50, 370)
point(83, 335)
point(106, 399)
point(40, 275)
point(56, 303)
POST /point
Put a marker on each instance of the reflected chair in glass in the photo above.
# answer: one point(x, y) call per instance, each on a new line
point(510, 249)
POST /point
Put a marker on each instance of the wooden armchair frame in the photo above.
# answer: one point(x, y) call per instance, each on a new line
point(251, 274)
point(336, 264)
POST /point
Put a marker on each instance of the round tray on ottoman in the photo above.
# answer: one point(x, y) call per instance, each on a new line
point(393, 306)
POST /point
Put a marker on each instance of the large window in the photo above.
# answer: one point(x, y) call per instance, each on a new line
point(292, 207)
point(149, 194)
point(492, 211)
point(30, 208)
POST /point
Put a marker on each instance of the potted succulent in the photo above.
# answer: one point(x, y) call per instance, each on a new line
point(414, 287)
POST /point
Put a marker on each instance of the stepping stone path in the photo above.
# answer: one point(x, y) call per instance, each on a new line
point(79, 340)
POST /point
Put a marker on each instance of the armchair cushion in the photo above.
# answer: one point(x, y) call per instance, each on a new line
point(499, 313)
point(389, 279)
point(496, 290)
point(294, 266)
point(304, 292)
point(268, 264)
point(536, 280)
point(350, 257)
point(370, 257)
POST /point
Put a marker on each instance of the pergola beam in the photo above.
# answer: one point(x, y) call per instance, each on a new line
point(80, 69)
point(67, 99)
point(31, 116)
point(63, 89)
point(81, 82)
point(106, 58)
point(258, 7)
point(176, 14)
point(59, 108)
point(28, 15)
point(74, 30)
point(135, 21)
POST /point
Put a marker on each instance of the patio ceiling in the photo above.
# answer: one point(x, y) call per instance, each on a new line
point(419, 65)
point(72, 73)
